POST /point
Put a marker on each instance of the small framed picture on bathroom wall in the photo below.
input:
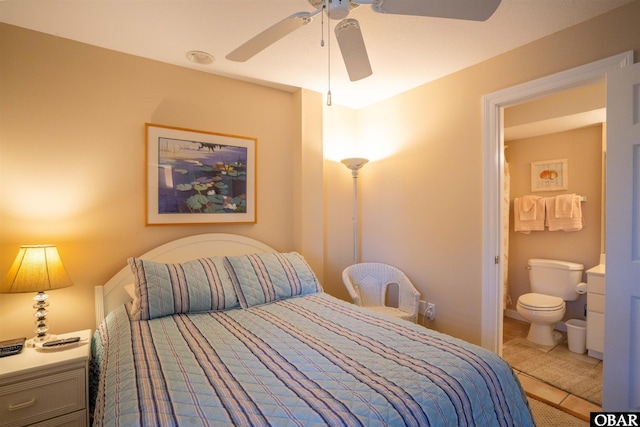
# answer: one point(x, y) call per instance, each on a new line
point(550, 175)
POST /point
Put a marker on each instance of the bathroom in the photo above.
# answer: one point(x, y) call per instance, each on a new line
point(569, 126)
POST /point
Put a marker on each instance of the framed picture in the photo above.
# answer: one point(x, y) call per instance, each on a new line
point(196, 177)
point(550, 175)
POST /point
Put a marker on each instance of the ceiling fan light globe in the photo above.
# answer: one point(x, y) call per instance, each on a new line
point(338, 9)
point(335, 9)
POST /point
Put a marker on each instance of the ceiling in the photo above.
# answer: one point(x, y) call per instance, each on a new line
point(404, 51)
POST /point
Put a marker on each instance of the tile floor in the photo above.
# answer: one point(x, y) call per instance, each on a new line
point(580, 408)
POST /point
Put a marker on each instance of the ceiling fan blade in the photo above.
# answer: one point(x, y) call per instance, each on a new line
point(472, 10)
point(353, 49)
point(269, 36)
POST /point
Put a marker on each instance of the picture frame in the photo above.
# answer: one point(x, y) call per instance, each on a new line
point(199, 177)
point(550, 175)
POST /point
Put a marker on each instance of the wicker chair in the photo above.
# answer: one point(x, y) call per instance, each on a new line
point(367, 284)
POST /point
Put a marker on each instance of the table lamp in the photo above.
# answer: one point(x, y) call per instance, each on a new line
point(37, 268)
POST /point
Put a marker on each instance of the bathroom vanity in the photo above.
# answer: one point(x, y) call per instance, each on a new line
point(596, 284)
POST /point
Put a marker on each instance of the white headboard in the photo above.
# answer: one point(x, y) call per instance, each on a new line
point(112, 294)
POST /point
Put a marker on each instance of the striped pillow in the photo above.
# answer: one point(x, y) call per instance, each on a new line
point(266, 277)
point(198, 285)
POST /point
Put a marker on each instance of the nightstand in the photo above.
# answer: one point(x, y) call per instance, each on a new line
point(46, 387)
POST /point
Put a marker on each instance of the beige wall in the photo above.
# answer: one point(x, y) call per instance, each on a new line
point(422, 206)
point(567, 103)
point(583, 150)
point(72, 157)
point(340, 142)
point(72, 161)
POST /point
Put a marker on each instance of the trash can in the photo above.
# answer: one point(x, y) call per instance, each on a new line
point(577, 335)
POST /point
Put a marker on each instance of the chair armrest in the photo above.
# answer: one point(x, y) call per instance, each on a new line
point(350, 288)
point(408, 297)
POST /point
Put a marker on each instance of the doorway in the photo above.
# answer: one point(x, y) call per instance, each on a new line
point(569, 126)
point(493, 114)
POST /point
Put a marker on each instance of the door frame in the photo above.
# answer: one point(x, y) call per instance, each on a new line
point(493, 105)
point(621, 377)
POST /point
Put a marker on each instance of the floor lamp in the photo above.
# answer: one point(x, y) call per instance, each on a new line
point(355, 164)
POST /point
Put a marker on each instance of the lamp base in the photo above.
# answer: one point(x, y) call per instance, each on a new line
point(37, 341)
point(41, 316)
point(43, 338)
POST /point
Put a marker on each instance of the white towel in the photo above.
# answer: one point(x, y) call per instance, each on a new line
point(527, 226)
point(564, 205)
point(575, 223)
point(528, 211)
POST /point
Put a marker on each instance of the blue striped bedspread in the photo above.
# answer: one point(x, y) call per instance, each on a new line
point(306, 361)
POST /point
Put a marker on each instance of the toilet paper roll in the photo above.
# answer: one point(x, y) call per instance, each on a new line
point(581, 288)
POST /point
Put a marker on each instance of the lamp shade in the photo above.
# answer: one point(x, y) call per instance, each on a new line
point(354, 163)
point(37, 268)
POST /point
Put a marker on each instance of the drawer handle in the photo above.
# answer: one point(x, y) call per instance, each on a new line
point(17, 406)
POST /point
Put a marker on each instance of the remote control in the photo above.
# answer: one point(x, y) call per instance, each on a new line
point(64, 341)
point(9, 347)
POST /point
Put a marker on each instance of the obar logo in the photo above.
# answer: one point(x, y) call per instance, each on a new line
point(606, 419)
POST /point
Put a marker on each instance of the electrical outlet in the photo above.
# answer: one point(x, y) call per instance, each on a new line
point(422, 307)
point(430, 312)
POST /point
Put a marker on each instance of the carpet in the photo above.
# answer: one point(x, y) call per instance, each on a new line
point(580, 378)
point(547, 416)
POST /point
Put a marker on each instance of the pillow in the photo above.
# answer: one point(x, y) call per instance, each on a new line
point(198, 285)
point(266, 277)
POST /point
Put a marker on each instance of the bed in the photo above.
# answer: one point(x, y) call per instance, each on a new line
point(219, 329)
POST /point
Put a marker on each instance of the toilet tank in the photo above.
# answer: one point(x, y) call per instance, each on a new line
point(555, 278)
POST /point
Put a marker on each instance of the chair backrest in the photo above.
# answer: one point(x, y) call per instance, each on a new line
point(367, 282)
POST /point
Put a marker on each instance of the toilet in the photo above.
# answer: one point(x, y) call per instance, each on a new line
point(552, 283)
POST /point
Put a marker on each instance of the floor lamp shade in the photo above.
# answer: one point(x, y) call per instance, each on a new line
point(37, 268)
point(354, 163)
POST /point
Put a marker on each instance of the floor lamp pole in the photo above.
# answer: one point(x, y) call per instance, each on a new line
point(355, 164)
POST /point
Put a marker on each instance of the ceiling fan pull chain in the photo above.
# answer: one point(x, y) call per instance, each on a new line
point(322, 26)
point(328, 55)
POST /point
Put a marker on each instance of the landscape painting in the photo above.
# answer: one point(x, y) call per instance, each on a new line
point(197, 177)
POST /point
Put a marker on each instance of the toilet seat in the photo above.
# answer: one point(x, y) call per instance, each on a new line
point(540, 302)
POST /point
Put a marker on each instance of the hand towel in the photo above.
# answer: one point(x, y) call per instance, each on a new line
point(527, 226)
point(575, 223)
point(528, 209)
point(564, 205)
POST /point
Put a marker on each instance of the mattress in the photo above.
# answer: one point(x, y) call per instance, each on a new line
point(311, 360)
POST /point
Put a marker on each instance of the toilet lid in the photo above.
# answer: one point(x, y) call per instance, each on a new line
point(540, 302)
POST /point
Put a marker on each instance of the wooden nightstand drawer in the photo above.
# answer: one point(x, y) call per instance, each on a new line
point(42, 398)
point(75, 419)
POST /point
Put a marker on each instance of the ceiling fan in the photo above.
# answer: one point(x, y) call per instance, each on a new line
point(348, 33)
